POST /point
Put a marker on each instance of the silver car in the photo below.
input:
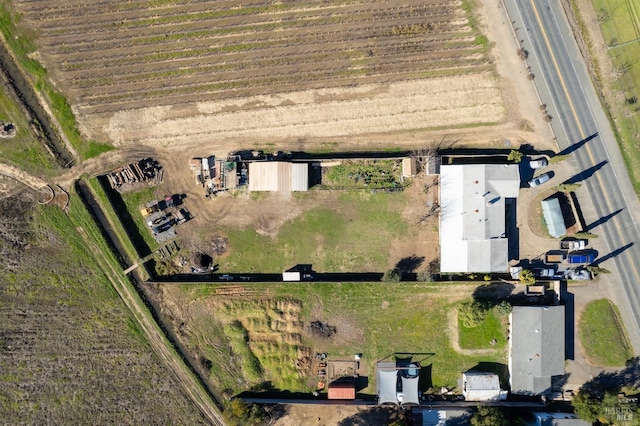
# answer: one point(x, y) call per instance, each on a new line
point(540, 180)
point(538, 164)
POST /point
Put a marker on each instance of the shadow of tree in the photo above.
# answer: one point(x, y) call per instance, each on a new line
point(409, 264)
point(628, 376)
point(489, 295)
point(373, 416)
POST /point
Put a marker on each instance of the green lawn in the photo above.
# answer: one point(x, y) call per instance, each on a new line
point(142, 236)
point(354, 234)
point(372, 318)
point(602, 334)
point(480, 337)
point(24, 150)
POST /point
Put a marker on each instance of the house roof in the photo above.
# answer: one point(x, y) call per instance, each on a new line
point(536, 348)
point(278, 176)
point(479, 386)
point(558, 419)
point(553, 217)
point(344, 388)
point(472, 216)
point(386, 380)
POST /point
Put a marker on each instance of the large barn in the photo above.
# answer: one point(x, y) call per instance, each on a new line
point(473, 235)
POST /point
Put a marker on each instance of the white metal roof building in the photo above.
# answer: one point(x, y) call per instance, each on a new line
point(278, 176)
point(480, 386)
point(386, 382)
point(553, 217)
point(536, 348)
point(472, 216)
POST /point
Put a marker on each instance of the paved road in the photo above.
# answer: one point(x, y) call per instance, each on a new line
point(580, 125)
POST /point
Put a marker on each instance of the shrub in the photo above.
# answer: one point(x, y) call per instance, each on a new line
point(471, 313)
point(527, 277)
point(515, 156)
point(487, 277)
point(425, 276)
point(503, 308)
point(391, 276)
point(239, 412)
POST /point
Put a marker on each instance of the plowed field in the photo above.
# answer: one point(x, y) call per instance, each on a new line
point(212, 69)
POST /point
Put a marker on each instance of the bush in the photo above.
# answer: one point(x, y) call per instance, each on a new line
point(239, 413)
point(391, 276)
point(425, 276)
point(472, 313)
point(515, 156)
point(503, 308)
point(527, 277)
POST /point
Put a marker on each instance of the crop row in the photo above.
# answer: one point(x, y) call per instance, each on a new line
point(300, 55)
point(354, 37)
point(150, 17)
point(196, 83)
point(130, 27)
point(115, 10)
point(243, 60)
point(211, 91)
point(107, 83)
point(160, 34)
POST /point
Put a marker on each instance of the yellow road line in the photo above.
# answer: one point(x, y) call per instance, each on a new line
point(555, 64)
point(575, 116)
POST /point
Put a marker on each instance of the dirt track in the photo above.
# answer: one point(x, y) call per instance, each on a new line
point(156, 337)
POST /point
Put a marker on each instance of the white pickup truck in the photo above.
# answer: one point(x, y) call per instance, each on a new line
point(573, 244)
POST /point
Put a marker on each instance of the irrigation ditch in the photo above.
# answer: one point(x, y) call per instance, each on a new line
point(144, 293)
point(25, 96)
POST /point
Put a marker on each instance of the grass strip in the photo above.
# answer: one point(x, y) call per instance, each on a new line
point(602, 335)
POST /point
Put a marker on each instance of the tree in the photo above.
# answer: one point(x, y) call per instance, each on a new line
point(239, 413)
point(515, 156)
point(391, 276)
point(568, 187)
point(607, 410)
point(557, 158)
point(489, 416)
point(527, 277)
point(597, 270)
point(471, 313)
point(585, 234)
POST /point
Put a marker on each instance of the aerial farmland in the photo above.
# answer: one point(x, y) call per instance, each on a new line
point(160, 73)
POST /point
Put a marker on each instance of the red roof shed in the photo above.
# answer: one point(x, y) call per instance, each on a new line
point(342, 389)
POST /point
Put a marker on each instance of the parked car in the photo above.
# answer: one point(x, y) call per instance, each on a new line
point(585, 256)
point(540, 180)
point(538, 164)
point(573, 244)
point(544, 272)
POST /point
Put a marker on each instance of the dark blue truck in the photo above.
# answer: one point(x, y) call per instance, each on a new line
point(581, 257)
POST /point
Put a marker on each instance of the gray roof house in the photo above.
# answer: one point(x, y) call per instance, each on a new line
point(481, 386)
point(536, 348)
point(472, 216)
point(558, 419)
